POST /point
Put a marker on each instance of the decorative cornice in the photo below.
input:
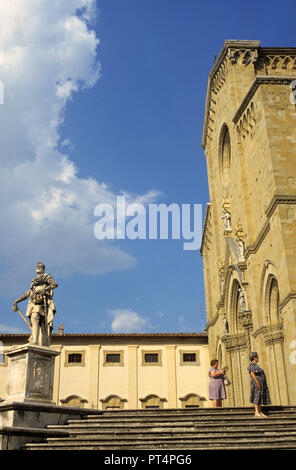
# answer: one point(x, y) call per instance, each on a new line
point(271, 333)
point(259, 80)
point(254, 248)
point(279, 199)
point(235, 341)
point(290, 296)
point(276, 200)
point(205, 227)
point(212, 322)
point(228, 52)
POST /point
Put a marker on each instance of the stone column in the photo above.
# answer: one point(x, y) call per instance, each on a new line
point(132, 377)
point(94, 376)
point(57, 374)
point(31, 374)
point(171, 376)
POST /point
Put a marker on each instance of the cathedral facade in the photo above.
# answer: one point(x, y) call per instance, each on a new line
point(249, 237)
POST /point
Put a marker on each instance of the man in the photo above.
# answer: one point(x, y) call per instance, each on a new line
point(41, 308)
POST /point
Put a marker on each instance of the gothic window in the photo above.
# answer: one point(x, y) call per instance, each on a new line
point(225, 154)
point(235, 307)
point(273, 302)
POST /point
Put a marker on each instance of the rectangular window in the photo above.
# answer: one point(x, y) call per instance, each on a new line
point(113, 358)
point(77, 358)
point(151, 357)
point(189, 357)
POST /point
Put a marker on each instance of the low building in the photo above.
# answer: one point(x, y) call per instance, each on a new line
point(125, 371)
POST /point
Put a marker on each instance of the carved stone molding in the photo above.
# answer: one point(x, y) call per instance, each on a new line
point(258, 81)
point(245, 319)
point(212, 322)
point(276, 200)
point(290, 296)
point(271, 334)
point(247, 123)
point(277, 61)
point(279, 199)
point(232, 51)
point(234, 341)
point(206, 234)
point(247, 56)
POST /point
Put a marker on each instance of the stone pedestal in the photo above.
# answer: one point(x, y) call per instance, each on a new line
point(30, 374)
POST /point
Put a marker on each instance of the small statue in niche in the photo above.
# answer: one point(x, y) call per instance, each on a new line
point(242, 300)
point(227, 220)
point(241, 250)
point(225, 325)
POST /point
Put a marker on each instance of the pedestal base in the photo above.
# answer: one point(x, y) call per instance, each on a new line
point(30, 374)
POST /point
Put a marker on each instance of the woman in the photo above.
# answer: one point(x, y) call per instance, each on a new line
point(259, 393)
point(216, 385)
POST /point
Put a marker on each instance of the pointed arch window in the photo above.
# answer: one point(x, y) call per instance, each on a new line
point(225, 154)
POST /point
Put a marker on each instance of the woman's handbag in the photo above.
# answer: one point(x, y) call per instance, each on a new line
point(226, 381)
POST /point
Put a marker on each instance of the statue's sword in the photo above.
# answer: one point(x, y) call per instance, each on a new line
point(24, 318)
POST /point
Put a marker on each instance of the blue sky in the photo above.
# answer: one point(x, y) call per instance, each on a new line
point(110, 101)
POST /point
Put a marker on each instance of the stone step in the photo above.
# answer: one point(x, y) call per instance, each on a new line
point(201, 419)
point(161, 414)
point(272, 442)
point(252, 427)
point(172, 435)
point(232, 428)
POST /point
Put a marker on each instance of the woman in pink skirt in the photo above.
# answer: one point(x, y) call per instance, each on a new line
point(216, 386)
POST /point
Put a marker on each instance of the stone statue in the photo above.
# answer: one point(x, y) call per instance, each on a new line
point(242, 300)
point(227, 220)
point(225, 326)
point(41, 308)
point(241, 250)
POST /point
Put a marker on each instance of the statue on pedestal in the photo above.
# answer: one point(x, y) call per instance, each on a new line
point(242, 300)
point(241, 250)
point(225, 325)
point(41, 308)
point(227, 220)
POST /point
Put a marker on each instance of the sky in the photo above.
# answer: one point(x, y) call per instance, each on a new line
point(102, 99)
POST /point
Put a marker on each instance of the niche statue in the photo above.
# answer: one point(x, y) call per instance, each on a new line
point(41, 308)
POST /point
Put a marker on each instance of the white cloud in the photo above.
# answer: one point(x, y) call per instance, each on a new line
point(12, 330)
point(128, 321)
point(48, 51)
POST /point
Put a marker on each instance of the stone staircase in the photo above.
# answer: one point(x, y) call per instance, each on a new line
point(171, 429)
